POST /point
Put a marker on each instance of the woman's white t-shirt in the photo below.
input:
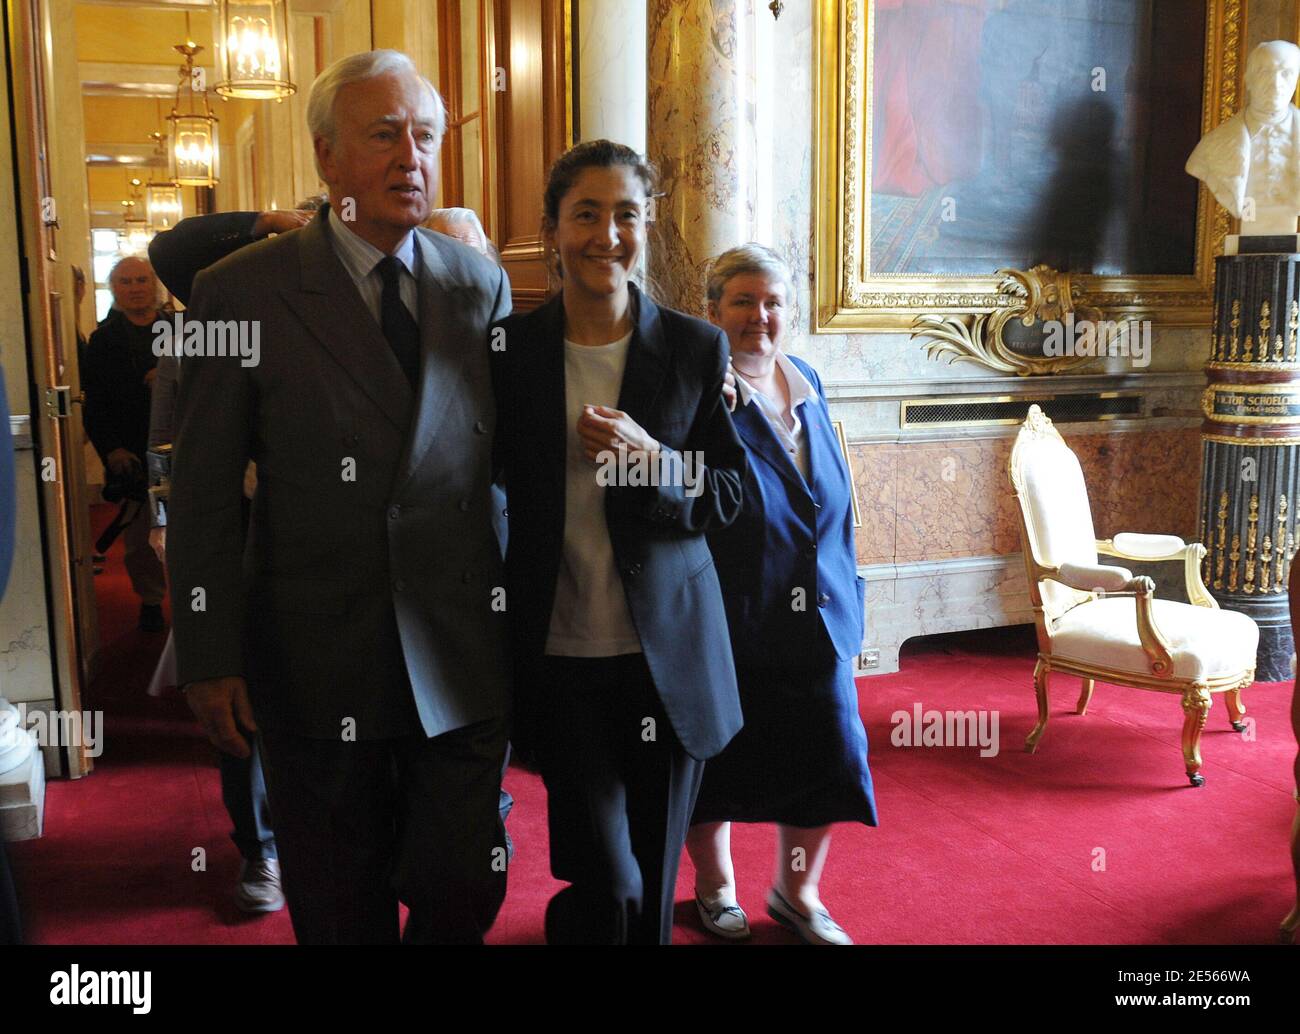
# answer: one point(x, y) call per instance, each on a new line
point(590, 617)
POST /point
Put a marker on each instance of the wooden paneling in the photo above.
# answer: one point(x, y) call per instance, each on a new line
point(449, 85)
point(533, 125)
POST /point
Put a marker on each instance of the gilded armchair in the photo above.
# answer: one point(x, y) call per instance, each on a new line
point(1100, 622)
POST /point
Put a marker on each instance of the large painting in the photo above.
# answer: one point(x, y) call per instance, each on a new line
point(957, 138)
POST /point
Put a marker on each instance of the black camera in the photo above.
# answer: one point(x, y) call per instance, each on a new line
point(128, 484)
point(130, 488)
point(159, 459)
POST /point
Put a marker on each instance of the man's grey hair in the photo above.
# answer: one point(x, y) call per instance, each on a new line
point(1272, 48)
point(112, 277)
point(112, 273)
point(748, 258)
point(356, 68)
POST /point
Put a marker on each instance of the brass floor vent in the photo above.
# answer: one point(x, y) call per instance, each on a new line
point(992, 410)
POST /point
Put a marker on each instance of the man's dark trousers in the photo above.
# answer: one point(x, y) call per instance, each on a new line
point(337, 806)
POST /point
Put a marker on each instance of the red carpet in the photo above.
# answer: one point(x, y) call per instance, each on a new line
point(1095, 839)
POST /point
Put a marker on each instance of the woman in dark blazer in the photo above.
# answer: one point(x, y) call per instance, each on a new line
point(795, 609)
point(618, 455)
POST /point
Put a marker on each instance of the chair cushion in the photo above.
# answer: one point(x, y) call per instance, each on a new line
point(1092, 577)
point(1148, 547)
point(1204, 643)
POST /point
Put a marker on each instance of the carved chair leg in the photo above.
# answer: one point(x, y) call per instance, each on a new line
point(1290, 933)
point(1085, 697)
point(1236, 709)
point(1041, 671)
point(1196, 707)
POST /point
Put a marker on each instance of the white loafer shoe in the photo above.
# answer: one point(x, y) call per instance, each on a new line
point(727, 921)
point(818, 928)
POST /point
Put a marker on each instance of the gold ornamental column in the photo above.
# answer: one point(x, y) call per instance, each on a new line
point(696, 57)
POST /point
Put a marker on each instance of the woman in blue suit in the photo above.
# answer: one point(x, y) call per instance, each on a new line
point(795, 610)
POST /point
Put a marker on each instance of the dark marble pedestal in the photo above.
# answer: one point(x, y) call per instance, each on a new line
point(1250, 469)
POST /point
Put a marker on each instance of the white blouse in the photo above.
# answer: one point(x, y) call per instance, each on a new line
point(793, 440)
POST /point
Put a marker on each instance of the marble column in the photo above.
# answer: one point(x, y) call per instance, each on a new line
point(700, 136)
point(611, 71)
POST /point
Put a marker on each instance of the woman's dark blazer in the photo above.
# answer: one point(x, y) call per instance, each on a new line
point(788, 563)
point(672, 386)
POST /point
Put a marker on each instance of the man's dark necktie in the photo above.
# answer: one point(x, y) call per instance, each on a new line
point(399, 325)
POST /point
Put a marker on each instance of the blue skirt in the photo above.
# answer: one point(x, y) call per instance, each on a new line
point(801, 757)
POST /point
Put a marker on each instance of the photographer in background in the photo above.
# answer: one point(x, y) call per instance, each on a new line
point(118, 378)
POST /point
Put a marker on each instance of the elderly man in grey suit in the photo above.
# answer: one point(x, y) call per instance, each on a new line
point(359, 633)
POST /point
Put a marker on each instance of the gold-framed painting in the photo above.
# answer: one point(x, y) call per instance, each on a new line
point(960, 140)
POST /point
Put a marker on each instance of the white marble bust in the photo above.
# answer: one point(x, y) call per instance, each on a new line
point(1251, 162)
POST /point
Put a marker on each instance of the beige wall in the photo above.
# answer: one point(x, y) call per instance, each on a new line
point(13, 341)
point(145, 37)
point(285, 172)
point(123, 36)
point(67, 131)
point(137, 35)
point(351, 29)
point(409, 26)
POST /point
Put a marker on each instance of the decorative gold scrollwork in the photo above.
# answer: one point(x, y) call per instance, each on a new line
point(1040, 293)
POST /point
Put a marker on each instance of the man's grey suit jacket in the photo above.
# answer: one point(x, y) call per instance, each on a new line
point(370, 553)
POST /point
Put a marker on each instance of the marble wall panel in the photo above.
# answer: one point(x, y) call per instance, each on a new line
point(931, 598)
point(931, 501)
point(1142, 481)
point(875, 481)
point(949, 495)
point(26, 668)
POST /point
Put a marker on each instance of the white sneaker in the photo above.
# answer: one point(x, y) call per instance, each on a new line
point(818, 928)
point(727, 921)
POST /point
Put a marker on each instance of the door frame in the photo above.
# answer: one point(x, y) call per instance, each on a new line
point(55, 419)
